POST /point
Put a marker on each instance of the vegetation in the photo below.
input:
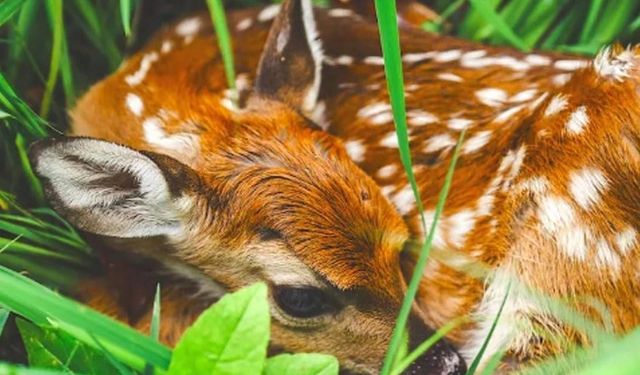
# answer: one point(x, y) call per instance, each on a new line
point(54, 49)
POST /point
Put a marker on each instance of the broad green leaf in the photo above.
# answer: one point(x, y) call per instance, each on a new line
point(302, 364)
point(230, 337)
point(51, 348)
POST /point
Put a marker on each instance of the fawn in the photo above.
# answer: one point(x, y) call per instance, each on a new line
point(300, 185)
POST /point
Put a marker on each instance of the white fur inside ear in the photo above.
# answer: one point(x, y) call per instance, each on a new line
point(315, 45)
point(107, 189)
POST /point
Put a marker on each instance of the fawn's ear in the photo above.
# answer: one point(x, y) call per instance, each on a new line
point(112, 190)
point(290, 65)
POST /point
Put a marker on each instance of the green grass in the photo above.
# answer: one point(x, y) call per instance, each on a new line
point(56, 51)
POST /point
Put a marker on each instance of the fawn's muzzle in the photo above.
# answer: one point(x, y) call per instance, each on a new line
point(441, 359)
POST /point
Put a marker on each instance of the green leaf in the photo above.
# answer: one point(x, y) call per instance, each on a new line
point(302, 364)
point(230, 337)
point(50, 348)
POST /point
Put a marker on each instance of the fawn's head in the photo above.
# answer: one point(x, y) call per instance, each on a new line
point(270, 197)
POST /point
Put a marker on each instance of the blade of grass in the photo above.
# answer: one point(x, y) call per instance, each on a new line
point(595, 10)
point(10, 369)
point(13, 105)
point(91, 24)
point(476, 361)
point(219, 20)
point(4, 316)
point(425, 345)
point(18, 37)
point(8, 9)
point(127, 345)
point(390, 42)
point(493, 363)
point(493, 18)
point(125, 16)
point(55, 8)
point(155, 326)
point(34, 184)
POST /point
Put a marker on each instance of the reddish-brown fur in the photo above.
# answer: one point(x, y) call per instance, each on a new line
point(513, 230)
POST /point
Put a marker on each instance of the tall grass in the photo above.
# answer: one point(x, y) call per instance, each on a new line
point(55, 51)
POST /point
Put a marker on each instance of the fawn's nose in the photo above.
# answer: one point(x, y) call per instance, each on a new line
point(441, 358)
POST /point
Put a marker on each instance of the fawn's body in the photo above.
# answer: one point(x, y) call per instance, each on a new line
point(546, 189)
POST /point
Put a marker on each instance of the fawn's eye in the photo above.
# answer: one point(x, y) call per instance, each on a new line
point(303, 302)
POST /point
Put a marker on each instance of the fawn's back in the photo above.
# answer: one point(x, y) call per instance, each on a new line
point(546, 189)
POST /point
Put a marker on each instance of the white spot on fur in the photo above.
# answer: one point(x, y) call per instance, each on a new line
point(503, 61)
point(524, 96)
point(578, 120)
point(404, 200)
point(537, 185)
point(476, 142)
point(555, 213)
point(626, 240)
point(356, 150)
point(145, 64)
point(418, 117)
point(475, 54)
point(339, 60)
point(340, 12)
point(134, 103)
point(388, 190)
point(537, 60)
point(449, 77)
point(570, 64)
point(491, 96)
point(373, 60)
point(459, 225)
point(556, 104)
point(586, 186)
point(189, 26)
point(166, 46)
point(606, 256)
point(459, 123)
point(183, 146)
point(411, 58)
point(390, 140)
point(244, 24)
point(373, 109)
point(561, 79)
point(439, 142)
point(381, 118)
point(269, 12)
point(613, 66)
point(447, 56)
point(508, 113)
point(387, 171)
